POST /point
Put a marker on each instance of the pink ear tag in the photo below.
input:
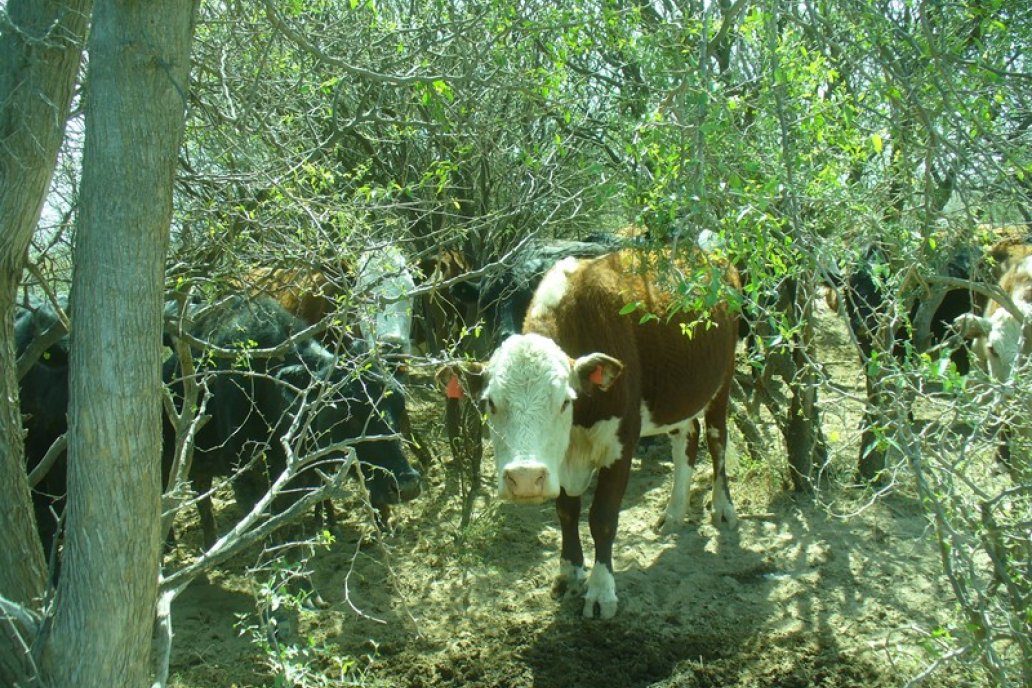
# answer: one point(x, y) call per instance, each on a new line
point(452, 390)
point(596, 375)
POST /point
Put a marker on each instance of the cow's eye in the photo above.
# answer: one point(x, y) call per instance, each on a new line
point(566, 405)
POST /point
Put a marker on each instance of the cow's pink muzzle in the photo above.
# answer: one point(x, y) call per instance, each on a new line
point(526, 483)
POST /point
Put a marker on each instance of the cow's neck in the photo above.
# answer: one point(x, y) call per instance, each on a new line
point(590, 448)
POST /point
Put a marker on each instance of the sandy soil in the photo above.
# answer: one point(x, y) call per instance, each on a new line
point(836, 593)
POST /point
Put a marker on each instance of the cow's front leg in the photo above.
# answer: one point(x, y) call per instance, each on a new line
point(571, 562)
point(604, 516)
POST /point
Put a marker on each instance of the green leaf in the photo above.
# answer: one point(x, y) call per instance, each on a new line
point(647, 317)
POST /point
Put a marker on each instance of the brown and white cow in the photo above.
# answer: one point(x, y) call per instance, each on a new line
point(571, 395)
point(1003, 340)
point(1003, 337)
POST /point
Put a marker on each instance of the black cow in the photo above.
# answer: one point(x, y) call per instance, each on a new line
point(254, 401)
point(867, 309)
point(39, 334)
point(236, 425)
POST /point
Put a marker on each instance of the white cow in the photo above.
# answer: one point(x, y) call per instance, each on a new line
point(385, 284)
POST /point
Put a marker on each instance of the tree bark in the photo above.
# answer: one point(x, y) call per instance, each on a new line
point(138, 80)
point(41, 44)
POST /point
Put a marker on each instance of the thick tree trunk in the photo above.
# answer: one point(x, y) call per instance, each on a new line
point(40, 49)
point(139, 68)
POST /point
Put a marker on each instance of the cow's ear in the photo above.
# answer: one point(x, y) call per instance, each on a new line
point(595, 371)
point(459, 380)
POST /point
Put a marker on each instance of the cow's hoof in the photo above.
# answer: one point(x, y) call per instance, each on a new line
point(570, 581)
point(606, 608)
point(724, 516)
point(601, 592)
point(667, 524)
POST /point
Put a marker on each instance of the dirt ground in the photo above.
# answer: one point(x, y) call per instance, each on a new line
point(840, 592)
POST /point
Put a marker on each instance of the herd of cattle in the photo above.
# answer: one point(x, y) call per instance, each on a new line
point(587, 355)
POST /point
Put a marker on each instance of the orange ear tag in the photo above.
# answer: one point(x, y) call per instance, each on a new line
point(596, 375)
point(452, 390)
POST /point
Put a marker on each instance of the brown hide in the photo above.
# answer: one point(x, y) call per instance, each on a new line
point(1010, 245)
point(1005, 254)
point(997, 261)
point(307, 294)
point(674, 373)
point(1014, 282)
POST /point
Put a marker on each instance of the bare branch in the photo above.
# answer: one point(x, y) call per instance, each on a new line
point(310, 48)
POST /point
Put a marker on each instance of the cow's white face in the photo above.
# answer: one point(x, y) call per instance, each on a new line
point(1004, 340)
point(388, 321)
point(529, 404)
point(530, 388)
point(1004, 343)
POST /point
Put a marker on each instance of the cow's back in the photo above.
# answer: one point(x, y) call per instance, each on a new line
point(674, 362)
